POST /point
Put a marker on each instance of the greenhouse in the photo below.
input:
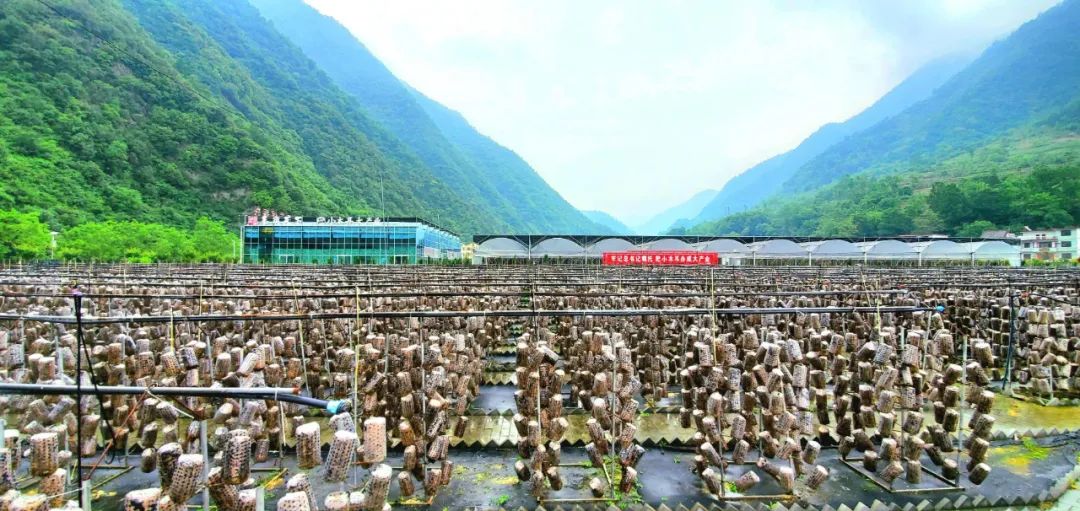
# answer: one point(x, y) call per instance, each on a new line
point(742, 250)
point(776, 249)
point(598, 248)
point(665, 244)
point(501, 247)
point(886, 250)
point(939, 250)
point(558, 247)
point(831, 249)
point(992, 251)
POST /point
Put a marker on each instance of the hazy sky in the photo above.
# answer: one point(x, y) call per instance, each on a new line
point(633, 106)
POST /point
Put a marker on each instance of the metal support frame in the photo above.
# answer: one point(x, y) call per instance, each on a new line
point(951, 485)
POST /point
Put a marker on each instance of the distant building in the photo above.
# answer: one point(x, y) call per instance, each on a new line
point(468, 250)
point(1050, 244)
point(274, 238)
point(998, 235)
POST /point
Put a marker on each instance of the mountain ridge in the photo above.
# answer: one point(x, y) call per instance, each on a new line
point(607, 220)
point(1028, 74)
point(476, 167)
point(995, 146)
point(664, 220)
point(765, 179)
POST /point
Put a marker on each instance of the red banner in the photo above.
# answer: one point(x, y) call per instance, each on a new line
point(661, 258)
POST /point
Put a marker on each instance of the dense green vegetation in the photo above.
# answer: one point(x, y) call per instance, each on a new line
point(23, 236)
point(165, 111)
point(137, 242)
point(96, 123)
point(1026, 181)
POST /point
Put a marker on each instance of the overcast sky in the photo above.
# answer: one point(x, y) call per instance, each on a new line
point(633, 106)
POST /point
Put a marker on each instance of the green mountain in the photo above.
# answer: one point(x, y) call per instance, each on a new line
point(1030, 75)
point(488, 175)
point(766, 178)
point(613, 224)
point(168, 110)
point(97, 122)
point(998, 145)
point(228, 48)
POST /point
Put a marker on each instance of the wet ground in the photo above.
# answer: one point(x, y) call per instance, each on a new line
point(485, 478)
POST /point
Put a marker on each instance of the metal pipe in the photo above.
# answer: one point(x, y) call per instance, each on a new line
point(287, 395)
point(78, 391)
point(737, 311)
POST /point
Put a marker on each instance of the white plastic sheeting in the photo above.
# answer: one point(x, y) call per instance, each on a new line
point(665, 244)
point(983, 251)
point(734, 252)
point(887, 250)
point(609, 245)
point(722, 247)
point(778, 248)
point(558, 247)
point(501, 247)
point(832, 249)
point(938, 250)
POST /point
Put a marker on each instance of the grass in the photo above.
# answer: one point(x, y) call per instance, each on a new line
point(501, 499)
point(1034, 450)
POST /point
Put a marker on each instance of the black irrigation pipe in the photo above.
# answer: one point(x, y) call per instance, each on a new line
point(525, 285)
point(282, 297)
point(507, 313)
point(287, 395)
point(279, 273)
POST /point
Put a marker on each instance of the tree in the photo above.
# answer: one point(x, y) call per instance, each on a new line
point(23, 236)
point(974, 229)
point(213, 242)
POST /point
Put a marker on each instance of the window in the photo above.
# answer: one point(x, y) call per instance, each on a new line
point(1027, 244)
point(1066, 256)
point(1066, 244)
point(1027, 256)
point(1066, 232)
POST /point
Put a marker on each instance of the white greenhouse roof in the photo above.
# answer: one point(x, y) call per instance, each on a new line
point(939, 249)
point(665, 244)
point(722, 246)
point(893, 249)
point(991, 249)
point(501, 247)
point(557, 247)
point(833, 248)
point(777, 248)
point(610, 245)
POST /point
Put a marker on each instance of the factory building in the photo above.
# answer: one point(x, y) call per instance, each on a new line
point(273, 238)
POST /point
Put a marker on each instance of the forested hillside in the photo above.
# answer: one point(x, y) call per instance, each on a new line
point(1029, 76)
point(96, 122)
point(1027, 179)
point(490, 176)
point(998, 145)
point(766, 178)
point(169, 110)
